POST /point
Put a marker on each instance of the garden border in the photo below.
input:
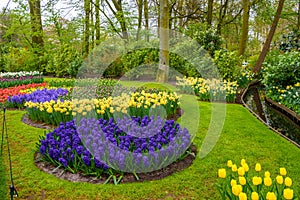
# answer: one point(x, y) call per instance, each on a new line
point(259, 118)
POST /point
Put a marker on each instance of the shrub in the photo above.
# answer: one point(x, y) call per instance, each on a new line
point(283, 70)
point(229, 64)
point(64, 61)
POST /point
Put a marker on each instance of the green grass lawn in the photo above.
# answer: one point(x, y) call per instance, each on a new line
point(243, 136)
point(3, 185)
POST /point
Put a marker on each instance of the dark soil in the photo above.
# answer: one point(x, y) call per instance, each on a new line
point(128, 177)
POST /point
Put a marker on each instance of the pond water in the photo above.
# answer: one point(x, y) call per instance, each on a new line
point(286, 125)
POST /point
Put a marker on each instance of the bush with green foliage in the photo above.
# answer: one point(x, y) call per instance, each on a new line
point(282, 69)
point(64, 61)
point(290, 41)
point(208, 38)
point(21, 59)
point(229, 64)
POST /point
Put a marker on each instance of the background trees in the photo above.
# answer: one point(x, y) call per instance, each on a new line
point(36, 33)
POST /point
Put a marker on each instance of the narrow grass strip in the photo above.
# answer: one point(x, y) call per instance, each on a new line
point(3, 184)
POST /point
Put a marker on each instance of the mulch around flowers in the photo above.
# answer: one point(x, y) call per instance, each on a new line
point(128, 177)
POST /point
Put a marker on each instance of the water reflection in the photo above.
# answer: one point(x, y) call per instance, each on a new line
point(255, 100)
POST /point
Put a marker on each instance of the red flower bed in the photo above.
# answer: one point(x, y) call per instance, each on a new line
point(11, 91)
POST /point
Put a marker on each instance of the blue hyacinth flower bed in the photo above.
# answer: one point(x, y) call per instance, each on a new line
point(110, 148)
point(40, 95)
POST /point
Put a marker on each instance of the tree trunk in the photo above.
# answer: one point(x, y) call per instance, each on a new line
point(36, 23)
point(140, 16)
point(92, 26)
point(163, 69)
point(121, 18)
point(87, 27)
point(97, 21)
point(267, 44)
point(298, 20)
point(245, 28)
point(209, 12)
point(222, 14)
point(146, 16)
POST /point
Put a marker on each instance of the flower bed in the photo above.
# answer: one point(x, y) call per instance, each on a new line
point(208, 90)
point(105, 141)
point(238, 183)
point(136, 104)
point(11, 79)
point(39, 95)
point(288, 96)
point(11, 91)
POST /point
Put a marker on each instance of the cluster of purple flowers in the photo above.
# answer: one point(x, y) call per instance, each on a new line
point(64, 146)
point(136, 144)
point(40, 95)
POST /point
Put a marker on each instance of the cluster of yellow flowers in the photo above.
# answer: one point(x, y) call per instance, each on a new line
point(204, 88)
point(30, 90)
point(51, 106)
point(139, 100)
point(241, 188)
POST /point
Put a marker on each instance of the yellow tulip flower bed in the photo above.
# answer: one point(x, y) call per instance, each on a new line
point(208, 89)
point(134, 104)
point(238, 183)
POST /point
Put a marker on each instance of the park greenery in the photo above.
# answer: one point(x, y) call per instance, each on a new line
point(80, 67)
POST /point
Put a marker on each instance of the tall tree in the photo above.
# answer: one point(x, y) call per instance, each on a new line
point(245, 27)
point(146, 16)
point(267, 44)
point(140, 17)
point(86, 42)
point(118, 12)
point(298, 17)
point(209, 12)
point(97, 21)
point(36, 23)
point(163, 69)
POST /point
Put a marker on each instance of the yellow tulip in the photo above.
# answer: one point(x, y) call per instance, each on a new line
point(256, 180)
point(242, 180)
point(229, 163)
point(237, 189)
point(254, 196)
point(222, 173)
point(288, 181)
point(233, 182)
point(242, 196)
point(243, 161)
point(241, 171)
point(288, 193)
point(279, 179)
point(271, 196)
point(282, 171)
point(257, 167)
point(234, 168)
point(267, 181)
point(267, 174)
point(246, 167)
